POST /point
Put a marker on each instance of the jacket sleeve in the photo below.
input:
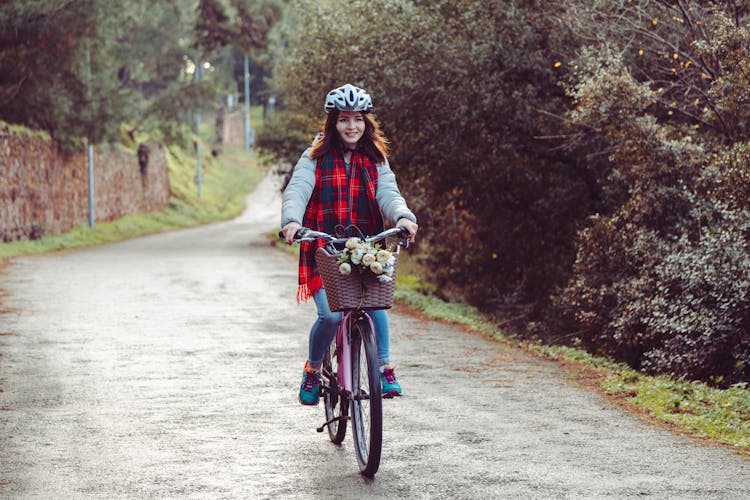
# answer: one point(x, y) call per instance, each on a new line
point(299, 190)
point(391, 203)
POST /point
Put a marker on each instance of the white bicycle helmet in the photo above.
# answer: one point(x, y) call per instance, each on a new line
point(348, 98)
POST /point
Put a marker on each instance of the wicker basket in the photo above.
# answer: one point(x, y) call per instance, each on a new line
point(355, 290)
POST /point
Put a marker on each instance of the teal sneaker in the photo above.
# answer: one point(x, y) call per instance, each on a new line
point(388, 380)
point(309, 391)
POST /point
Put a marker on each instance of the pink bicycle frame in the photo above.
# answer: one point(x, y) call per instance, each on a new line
point(344, 351)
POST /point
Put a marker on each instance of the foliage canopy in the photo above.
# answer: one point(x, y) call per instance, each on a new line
point(79, 69)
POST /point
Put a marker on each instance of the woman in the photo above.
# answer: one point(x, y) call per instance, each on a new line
point(343, 179)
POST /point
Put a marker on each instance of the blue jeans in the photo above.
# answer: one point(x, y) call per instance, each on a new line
point(324, 330)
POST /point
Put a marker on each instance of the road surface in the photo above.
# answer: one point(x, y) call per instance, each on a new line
point(168, 367)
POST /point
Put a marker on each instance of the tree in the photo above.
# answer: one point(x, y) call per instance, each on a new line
point(461, 89)
point(595, 151)
point(661, 281)
point(82, 69)
point(58, 73)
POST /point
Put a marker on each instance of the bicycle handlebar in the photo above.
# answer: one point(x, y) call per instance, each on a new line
point(305, 234)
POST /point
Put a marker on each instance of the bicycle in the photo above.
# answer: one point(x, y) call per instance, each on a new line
point(353, 383)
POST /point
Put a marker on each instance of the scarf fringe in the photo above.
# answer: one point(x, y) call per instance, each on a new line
point(306, 290)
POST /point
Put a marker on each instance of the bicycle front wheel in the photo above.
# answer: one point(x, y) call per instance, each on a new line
point(367, 402)
point(336, 403)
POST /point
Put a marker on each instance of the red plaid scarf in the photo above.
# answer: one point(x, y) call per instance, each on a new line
point(338, 199)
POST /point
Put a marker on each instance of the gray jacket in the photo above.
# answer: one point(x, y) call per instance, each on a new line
point(297, 194)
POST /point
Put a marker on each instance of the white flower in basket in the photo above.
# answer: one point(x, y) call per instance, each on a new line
point(376, 268)
point(383, 256)
point(353, 243)
point(365, 257)
point(356, 255)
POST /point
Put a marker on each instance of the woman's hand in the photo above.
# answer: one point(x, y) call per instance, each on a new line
point(289, 231)
point(410, 226)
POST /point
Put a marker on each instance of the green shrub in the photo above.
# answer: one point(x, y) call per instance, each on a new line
point(662, 281)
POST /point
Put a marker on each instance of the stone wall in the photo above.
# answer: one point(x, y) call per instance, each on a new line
point(44, 191)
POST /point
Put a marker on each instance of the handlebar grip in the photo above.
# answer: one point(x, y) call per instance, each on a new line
point(298, 235)
point(404, 237)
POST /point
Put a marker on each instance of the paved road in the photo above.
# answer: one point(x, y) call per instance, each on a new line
point(167, 367)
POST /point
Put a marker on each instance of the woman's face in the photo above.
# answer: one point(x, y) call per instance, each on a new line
point(351, 127)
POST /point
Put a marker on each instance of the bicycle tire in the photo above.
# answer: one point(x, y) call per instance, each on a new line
point(367, 401)
point(335, 404)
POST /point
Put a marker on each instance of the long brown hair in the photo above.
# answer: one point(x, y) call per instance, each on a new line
point(373, 143)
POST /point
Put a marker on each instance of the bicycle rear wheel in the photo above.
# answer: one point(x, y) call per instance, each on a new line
point(367, 402)
point(336, 404)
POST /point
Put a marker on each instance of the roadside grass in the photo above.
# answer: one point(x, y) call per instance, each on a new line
point(22, 130)
point(720, 416)
point(695, 408)
point(226, 181)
